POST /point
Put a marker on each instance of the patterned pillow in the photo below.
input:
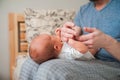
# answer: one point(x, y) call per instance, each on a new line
point(45, 21)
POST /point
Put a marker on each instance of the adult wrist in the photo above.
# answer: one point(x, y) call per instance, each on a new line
point(110, 42)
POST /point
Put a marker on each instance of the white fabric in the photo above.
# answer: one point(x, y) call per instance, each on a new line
point(68, 52)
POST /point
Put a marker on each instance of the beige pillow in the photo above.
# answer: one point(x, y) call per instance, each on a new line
point(45, 21)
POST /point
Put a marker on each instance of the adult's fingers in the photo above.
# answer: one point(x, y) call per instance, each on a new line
point(66, 35)
point(67, 30)
point(92, 32)
point(90, 46)
point(69, 25)
point(87, 37)
point(89, 30)
point(89, 42)
point(77, 30)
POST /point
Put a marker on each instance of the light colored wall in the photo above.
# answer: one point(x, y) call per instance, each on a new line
point(18, 6)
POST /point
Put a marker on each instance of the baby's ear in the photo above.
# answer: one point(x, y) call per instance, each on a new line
point(57, 47)
point(58, 32)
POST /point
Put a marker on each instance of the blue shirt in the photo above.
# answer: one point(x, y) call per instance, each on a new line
point(106, 20)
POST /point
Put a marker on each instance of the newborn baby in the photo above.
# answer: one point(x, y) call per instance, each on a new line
point(45, 47)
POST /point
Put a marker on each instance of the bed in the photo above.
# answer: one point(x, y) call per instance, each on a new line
point(25, 26)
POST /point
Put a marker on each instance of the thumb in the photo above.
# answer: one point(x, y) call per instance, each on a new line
point(89, 30)
point(69, 25)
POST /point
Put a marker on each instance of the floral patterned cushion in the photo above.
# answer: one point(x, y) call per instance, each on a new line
point(45, 21)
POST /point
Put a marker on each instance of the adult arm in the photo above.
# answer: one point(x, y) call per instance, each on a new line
point(98, 39)
point(70, 33)
point(81, 47)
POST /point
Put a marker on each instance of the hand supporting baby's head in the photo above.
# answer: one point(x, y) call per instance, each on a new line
point(43, 48)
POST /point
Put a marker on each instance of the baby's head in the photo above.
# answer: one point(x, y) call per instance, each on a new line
point(44, 47)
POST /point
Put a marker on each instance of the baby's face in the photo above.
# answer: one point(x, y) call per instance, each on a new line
point(57, 41)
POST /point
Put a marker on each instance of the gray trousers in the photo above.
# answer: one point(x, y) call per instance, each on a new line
point(59, 69)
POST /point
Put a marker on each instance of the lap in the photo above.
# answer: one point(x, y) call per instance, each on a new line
point(59, 69)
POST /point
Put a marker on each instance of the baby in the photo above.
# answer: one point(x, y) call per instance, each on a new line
point(45, 47)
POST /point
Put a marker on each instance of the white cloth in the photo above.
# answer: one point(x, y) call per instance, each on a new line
point(68, 52)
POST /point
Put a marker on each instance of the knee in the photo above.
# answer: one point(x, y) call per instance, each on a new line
point(50, 66)
point(50, 70)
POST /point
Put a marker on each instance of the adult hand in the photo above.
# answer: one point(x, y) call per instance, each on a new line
point(95, 38)
point(69, 31)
